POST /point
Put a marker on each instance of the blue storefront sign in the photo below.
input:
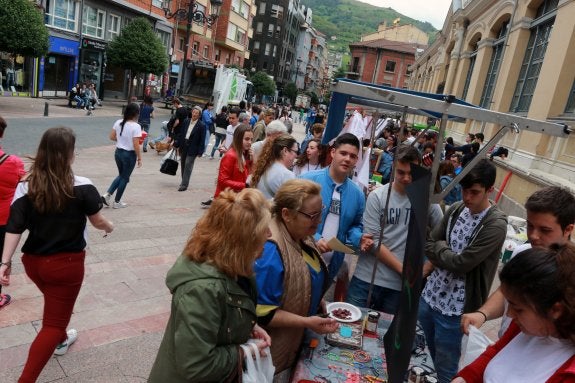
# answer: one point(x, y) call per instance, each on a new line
point(63, 46)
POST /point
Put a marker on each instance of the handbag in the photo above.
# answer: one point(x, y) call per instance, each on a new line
point(170, 164)
point(258, 370)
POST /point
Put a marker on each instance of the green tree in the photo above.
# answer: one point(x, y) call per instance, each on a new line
point(314, 99)
point(138, 49)
point(22, 29)
point(339, 73)
point(263, 84)
point(290, 91)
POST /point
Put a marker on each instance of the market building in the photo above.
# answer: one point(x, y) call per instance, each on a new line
point(513, 57)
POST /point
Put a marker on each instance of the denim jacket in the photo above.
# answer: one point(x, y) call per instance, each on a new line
point(350, 221)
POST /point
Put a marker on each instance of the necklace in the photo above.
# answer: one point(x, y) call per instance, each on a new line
point(316, 166)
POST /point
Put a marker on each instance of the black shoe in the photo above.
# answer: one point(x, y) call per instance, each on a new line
point(182, 188)
point(145, 150)
point(206, 203)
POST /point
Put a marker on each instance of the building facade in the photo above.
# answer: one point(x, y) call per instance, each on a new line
point(406, 33)
point(79, 34)
point(512, 57)
point(382, 62)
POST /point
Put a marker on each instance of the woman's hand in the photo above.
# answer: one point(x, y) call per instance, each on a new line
point(459, 380)
point(260, 333)
point(5, 271)
point(321, 325)
point(322, 246)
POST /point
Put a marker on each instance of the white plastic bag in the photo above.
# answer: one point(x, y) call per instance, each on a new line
point(258, 370)
point(170, 154)
point(473, 345)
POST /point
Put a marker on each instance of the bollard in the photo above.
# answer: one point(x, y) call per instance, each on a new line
point(45, 109)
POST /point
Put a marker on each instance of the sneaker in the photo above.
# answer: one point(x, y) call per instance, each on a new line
point(62, 348)
point(206, 203)
point(211, 157)
point(119, 205)
point(5, 300)
point(106, 199)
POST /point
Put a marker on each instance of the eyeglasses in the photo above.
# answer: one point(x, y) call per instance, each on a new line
point(314, 216)
point(296, 151)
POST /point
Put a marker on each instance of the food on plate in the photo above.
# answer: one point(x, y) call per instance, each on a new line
point(340, 313)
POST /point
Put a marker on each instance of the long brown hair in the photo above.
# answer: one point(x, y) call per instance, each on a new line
point(238, 144)
point(271, 152)
point(302, 159)
point(232, 233)
point(51, 180)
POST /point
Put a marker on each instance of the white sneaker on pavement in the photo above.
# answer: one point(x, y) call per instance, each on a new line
point(119, 205)
point(107, 199)
point(62, 348)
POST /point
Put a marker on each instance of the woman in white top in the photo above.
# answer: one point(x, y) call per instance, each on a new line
point(312, 159)
point(539, 285)
point(126, 132)
point(273, 166)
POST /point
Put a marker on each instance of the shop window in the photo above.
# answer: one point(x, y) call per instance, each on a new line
point(390, 66)
point(62, 14)
point(93, 22)
point(541, 29)
point(114, 24)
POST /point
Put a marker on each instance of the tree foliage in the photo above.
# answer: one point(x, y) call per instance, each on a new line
point(138, 48)
point(22, 29)
point(339, 73)
point(290, 91)
point(263, 84)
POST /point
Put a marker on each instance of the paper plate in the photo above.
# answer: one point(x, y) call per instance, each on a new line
point(355, 312)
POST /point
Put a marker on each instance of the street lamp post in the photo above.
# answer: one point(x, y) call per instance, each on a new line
point(190, 15)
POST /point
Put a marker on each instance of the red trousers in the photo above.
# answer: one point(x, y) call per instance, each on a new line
point(59, 277)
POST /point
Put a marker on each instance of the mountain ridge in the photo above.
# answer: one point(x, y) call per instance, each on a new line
point(348, 20)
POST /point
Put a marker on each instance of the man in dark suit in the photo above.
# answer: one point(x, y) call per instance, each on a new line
point(191, 143)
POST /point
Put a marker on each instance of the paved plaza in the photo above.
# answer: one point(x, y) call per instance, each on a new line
point(124, 304)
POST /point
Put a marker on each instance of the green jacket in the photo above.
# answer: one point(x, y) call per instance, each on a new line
point(210, 316)
point(478, 261)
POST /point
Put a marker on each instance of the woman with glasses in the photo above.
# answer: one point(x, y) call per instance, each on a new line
point(288, 300)
point(274, 164)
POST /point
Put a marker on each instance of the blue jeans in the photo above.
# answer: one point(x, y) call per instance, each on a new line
point(164, 134)
point(219, 139)
point(145, 128)
point(443, 336)
point(382, 298)
point(125, 161)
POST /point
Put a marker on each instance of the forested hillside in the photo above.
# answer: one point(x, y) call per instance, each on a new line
point(347, 20)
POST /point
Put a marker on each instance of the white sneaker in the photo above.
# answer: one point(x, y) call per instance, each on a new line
point(119, 205)
point(62, 348)
point(107, 199)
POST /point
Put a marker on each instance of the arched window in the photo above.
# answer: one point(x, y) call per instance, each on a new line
point(494, 63)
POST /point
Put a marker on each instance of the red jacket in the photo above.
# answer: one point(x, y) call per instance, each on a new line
point(11, 170)
point(230, 175)
point(473, 373)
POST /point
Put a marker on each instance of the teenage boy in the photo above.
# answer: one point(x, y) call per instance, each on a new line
point(465, 250)
point(550, 220)
point(344, 203)
point(387, 284)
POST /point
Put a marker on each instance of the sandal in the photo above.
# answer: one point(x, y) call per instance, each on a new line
point(5, 300)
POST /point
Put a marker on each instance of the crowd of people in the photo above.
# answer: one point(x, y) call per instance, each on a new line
point(294, 199)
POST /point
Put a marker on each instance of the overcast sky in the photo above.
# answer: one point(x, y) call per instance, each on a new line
point(433, 11)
